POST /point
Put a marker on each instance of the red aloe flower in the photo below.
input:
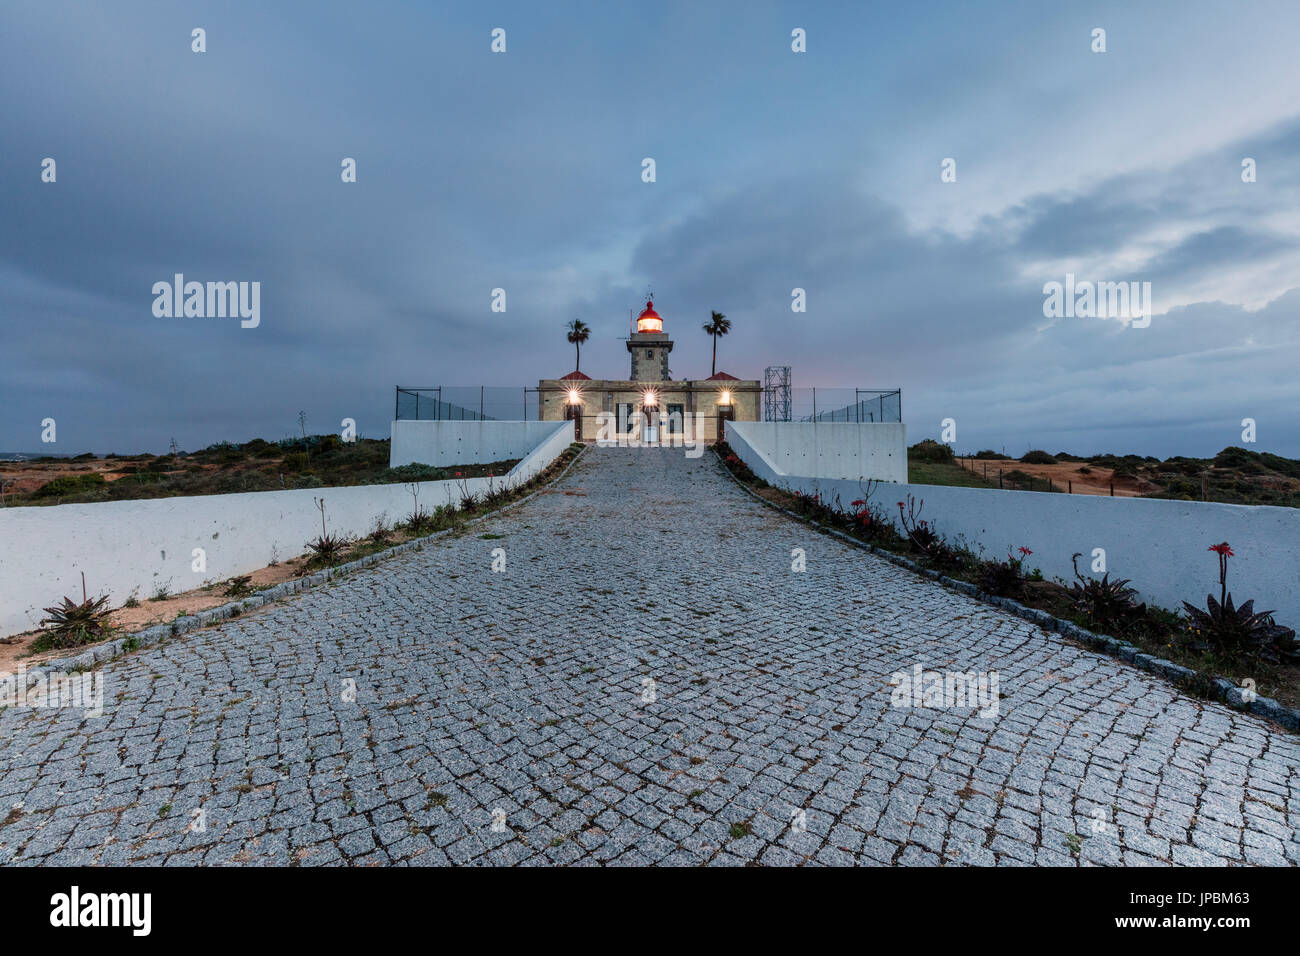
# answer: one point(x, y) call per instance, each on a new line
point(1224, 552)
point(1025, 551)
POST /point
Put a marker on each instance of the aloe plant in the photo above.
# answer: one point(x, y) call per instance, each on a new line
point(1108, 604)
point(75, 623)
point(1234, 630)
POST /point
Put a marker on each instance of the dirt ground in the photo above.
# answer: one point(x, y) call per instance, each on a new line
point(16, 650)
point(1067, 475)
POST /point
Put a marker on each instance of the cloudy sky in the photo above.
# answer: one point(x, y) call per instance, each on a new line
point(775, 170)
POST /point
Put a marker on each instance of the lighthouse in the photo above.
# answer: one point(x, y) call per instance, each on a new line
point(666, 407)
point(649, 346)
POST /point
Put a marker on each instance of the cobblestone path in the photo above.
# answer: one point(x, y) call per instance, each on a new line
point(647, 681)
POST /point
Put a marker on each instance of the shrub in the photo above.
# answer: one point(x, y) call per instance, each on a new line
point(923, 536)
point(380, 533)
point(418, 521)
point(1004, 578)
point(735, 464)
point(239, 586)
point(1037, 457)
point(223, 451)
point(468, 500)
point(327, 550)
point(295, 461)
point(1105, 604)
point(1233, 457)
point(67, 485)
point(930, 450)
point(73, 624)
point(992, 455)
point(869, 521)
point(1237, 631)
point(413, 472)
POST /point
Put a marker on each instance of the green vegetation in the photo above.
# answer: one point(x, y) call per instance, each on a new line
point(68, 486)
point(1037, 457)
point(317, 461)
point(931, 463)
point(1233, 476)
point(73, 624)
point(239, 586)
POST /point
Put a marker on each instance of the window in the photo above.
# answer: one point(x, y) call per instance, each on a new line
point(674, 419)
point(649, 353)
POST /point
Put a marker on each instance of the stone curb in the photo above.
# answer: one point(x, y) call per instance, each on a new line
point(1224, 690)
point(224, 612)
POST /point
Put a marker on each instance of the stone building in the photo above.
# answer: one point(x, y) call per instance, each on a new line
point(649, 399)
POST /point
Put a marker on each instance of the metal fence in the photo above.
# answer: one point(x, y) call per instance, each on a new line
point(832, 404)
point(520, 403)
point(466, 403)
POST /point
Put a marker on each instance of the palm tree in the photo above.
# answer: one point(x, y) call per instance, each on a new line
point(718, 325)
point(578, 333)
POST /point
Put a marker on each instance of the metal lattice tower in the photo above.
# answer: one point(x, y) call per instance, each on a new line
point(776, 393)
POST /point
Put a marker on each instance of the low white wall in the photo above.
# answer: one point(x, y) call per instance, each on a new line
point(1160, 544)
point(830, 449)
point(135, 546)
point(463, 443)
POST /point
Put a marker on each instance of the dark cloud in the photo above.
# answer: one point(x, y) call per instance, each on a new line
point(522, 172)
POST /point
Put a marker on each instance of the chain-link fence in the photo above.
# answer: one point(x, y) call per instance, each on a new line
point(520, 403)
point(845, 404)
point(466, 403)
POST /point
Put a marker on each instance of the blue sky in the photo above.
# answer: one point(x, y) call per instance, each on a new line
point(775, 170)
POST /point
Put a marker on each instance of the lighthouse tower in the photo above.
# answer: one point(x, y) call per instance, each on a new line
point(649, 346)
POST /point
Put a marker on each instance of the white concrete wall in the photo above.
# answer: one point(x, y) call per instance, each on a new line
point(830, 449)
point(1160, 544)
point(126, 546)
point(463, 443)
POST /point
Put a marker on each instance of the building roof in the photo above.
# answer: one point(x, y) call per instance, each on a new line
point(575, 376)
point(721, 377)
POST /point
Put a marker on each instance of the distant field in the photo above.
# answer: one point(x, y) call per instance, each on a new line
point(317, 461)
point(938, 473)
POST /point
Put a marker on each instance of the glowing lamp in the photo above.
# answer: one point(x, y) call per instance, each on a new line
point(649, 320)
